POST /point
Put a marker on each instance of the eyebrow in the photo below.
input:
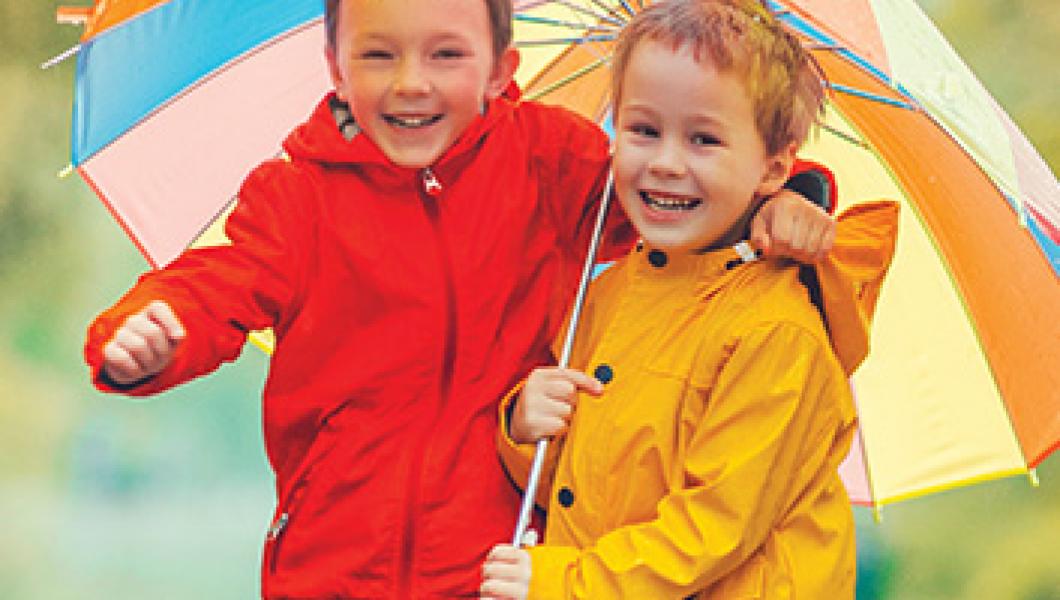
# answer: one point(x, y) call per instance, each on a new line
point(701, 119)
point(638, 108)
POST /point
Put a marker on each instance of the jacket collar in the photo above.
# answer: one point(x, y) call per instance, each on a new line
point(330, 137)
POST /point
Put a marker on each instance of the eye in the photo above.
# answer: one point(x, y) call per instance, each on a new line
point(375, 55)
point(643, 130)
point(449, 53)
point(705, 139)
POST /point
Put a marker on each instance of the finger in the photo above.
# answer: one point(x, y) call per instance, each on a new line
point(585, 382)
point(801, 229)
point(161, 313)
point(120, 366)
point(546, 426)
point(559, 388)
point(827, 242)
point(814, 240)
point(493, 588)
point(781, 234)
point(555, 427)
point(760, 239)
point(137, 347)
point(503, 553)
point(150, 332)
point(560, 410)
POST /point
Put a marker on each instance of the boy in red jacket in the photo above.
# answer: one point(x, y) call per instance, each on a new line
point(415, 256)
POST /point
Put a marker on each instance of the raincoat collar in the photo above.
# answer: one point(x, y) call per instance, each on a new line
point(691, 268)
point(321, 138)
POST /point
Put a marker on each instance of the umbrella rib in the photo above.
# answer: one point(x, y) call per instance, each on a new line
point(627, 7)
point(846, 137)
point(555, 85)
point(611, 10)
point(563, 24)
point(870, 96)
point(585, 11)
point(565, 41)
point(60, 58)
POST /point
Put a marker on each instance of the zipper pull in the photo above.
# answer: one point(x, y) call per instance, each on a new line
point(431, 185)
point(278, 526)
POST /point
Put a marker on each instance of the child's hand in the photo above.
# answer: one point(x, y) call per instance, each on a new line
point(545, 405)
point(143, 345)
point(791, 226)
point(506, 574)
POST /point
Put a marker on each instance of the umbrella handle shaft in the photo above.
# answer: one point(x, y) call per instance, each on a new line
point(530, 491)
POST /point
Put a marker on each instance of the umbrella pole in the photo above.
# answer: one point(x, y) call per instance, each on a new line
point(532, 481)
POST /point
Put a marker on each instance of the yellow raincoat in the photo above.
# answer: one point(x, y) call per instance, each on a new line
point(709, 464)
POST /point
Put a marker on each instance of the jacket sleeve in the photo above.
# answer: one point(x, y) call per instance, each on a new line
point(220, 293)
point(772, 420)
point(573, 158)
point(848, 280)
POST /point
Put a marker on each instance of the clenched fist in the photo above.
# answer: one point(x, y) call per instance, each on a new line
point(143, 345)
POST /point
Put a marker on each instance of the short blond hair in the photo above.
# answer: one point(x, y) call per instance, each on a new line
point(499, 12)
point(740, 36)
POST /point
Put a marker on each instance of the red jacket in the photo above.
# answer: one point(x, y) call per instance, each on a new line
point(405, 303)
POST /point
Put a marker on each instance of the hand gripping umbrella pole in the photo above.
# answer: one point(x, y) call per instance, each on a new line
point(534, 478)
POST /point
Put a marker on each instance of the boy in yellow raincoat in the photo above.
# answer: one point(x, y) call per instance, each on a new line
point(701, 459)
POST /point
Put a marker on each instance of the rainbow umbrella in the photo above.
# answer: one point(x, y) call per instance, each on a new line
point(177, 100)
point(962, 383)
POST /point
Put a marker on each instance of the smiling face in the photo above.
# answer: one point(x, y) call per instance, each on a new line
point(416, 73)
point(689, 161)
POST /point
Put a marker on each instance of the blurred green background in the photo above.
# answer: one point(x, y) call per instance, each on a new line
point(110, 499)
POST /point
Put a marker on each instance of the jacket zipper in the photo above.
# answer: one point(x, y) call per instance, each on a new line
point(432, 188)
point(288, 503)
point(274, 535)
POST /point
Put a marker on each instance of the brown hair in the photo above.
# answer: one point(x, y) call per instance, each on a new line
point(740, 36)
point(499, 12)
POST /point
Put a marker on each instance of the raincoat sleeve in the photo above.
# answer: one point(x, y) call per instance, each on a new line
point(847, 282)
point(220, 293)
point(779, 412)
point(517, 457)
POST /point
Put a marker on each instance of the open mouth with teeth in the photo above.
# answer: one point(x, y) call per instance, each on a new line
point(412, 122)
point(669, 203)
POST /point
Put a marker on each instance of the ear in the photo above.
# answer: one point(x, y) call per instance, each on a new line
point(503, 71)
point(778, 170)
point(335, 72)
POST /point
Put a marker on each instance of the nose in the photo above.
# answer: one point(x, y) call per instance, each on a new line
point(668, 161)
point(411, 80)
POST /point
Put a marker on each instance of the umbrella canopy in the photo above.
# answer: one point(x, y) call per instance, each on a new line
point(175, 101)
point(961, 384)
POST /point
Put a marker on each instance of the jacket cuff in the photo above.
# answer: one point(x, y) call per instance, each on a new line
point(515, 456)
point(549, 568)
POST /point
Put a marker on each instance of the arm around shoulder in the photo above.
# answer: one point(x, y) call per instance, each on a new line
point(852, 273)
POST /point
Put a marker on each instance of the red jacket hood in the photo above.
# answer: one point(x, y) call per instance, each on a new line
point(320, 140)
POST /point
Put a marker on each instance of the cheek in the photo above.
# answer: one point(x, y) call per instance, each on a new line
point(626, 161)
point(469, 89)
